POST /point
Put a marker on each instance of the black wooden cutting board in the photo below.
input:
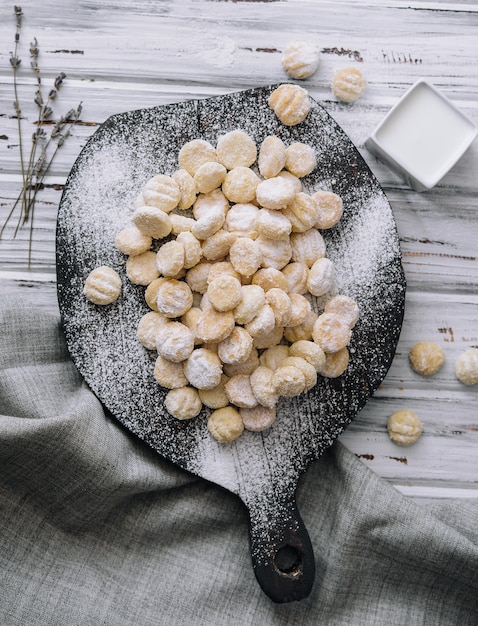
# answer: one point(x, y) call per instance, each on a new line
point(263, 469)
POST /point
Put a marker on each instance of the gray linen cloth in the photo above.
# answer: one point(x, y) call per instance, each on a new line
point(97, 529)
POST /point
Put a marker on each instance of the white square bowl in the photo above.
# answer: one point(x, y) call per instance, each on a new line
point(422, 136)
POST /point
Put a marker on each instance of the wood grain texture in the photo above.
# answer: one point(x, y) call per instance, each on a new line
point(121, 56)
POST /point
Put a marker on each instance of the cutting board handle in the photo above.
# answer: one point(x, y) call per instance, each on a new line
point(282, 554)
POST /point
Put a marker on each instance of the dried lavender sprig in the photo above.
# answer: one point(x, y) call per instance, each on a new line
point(15, 62)
point(45, 112)
point(63, 131)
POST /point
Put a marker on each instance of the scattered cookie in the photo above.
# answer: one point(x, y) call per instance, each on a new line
point(466, 367)
point(300, 59)
point(348, 84)
point(426, 358)
point(404, 427)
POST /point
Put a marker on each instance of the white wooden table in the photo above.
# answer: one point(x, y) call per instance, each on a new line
point(121, 55)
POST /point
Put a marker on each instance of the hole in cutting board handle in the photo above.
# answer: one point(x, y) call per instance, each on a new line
point(288, 561)
point(282, 554)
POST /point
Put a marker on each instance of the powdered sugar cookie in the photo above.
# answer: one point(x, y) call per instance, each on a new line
point(225, 424)
point(345, 307)
point(245, 256)
point(300, 59)
point(290, 103)
point(197, 277)
point(276, 253)
point(174, 298)
point(214, 326)
point(262, 341)
point(168, 374)
point(296, 275)
point(274, 356)
point(241, 220)
point(221, 268)
point(426, 358)
point(246, 367)
point(263, 322)
point(321, 277)
point(309, 371)
point(240, 185)
point(216, 397)
point(466, 367)
point(237, 347)
point(174, 341)
point(272, 156)
point(148, 327)
point(296, 182)
point(281, 305)
point(236, 149)
point(331, 333)
point(192, 250)
point(404, 427)
point(300, 159)
point(348, 84)
point(131, 241)
point(275, 193)
point(151, 293)
point(268, 278)
point(141, 269)
point(183, 403)
point(187, 187)
point(330, 209)
point(252, 300)
point(288, 381)
point(262, 384)
point(180, 223)
point(152, 222)
point(307, 247)
point(299, 310)
point(162, 192)
point(209, 176)
point(302, 330)
point(239, 391)
point(209, 223)
point(170, 258)
point(273, 224)
point(203, 369)
point(210, 203)
point(217, 246)
point(102, 285)
point(224, 292)
point(335, 364)
point(194, 154)
point(309, 351)
point(302, 212)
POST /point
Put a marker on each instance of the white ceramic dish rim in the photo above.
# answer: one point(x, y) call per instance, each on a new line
point(399, 164)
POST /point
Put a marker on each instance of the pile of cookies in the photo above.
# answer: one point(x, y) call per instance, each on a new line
point(231, 258)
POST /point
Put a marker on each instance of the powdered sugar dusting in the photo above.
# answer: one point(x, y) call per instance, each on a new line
point(262, 468)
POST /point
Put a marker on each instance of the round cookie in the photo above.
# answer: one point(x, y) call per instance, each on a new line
point(348, 84)
point(102, 285)
point(300, 59)
point(404, 427)
point(426, 358)
point(225, 424)
point(290, 103)
point(466, 367)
